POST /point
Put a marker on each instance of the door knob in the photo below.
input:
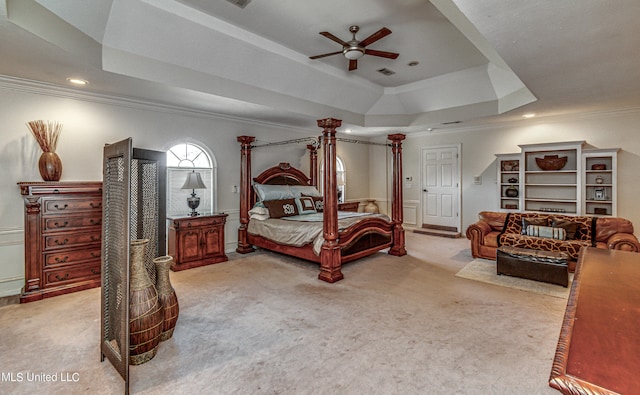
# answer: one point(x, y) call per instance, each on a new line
point(424, 190)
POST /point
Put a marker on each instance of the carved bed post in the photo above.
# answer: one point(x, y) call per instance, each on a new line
point(398, 247)
point(330, 258)
point(245, 193)
point(313, 164)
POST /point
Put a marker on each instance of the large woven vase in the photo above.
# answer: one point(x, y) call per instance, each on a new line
point(167, 296)
point(145, 312)
point(50, 166)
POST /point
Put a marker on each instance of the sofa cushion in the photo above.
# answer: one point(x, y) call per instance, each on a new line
point(547, 232)
point(495, 219)
point(570, 227)
point(607, 227)
point(526, 222)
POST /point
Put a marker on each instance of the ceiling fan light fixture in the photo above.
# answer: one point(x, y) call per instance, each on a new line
point(353, 53)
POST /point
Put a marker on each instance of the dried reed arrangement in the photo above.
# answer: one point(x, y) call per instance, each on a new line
point(46, 134)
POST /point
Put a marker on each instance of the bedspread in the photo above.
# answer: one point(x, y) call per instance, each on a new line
point(301, 232)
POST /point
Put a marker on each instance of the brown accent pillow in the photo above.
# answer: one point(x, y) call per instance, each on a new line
point(317, 201)
point(533, 221)
point(281, 208)
point(568, 226)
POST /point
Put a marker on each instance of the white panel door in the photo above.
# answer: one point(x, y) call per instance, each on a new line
point(440, 187)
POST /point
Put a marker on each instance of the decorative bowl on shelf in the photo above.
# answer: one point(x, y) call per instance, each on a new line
point(551, 162)
point(599, 166)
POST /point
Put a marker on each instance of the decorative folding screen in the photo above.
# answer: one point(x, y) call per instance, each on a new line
point(134, 199)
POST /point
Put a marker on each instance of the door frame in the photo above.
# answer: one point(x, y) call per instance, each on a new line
point(458, 148)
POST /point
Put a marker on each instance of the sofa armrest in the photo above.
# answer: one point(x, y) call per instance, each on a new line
point(476, 233)
point(623, 241)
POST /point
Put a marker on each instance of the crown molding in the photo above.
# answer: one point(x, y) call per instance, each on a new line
point(53, 90)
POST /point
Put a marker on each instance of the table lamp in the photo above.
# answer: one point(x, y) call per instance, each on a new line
point(193, 182)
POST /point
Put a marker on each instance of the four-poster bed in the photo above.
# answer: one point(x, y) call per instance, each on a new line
point(341, 237)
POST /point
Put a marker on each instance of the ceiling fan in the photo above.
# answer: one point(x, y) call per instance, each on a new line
point(353, 49)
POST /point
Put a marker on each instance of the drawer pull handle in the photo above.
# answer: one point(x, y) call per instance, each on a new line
point(63, 260)
point(61, 243)
point(95, 205)
point(95, 271)
point(95, 222)
point(59, 225)
point(61, 208)
point(66, 277)
point(94, 238)
point(95, 255)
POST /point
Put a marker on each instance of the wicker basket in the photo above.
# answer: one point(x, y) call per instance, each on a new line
point(551, 162)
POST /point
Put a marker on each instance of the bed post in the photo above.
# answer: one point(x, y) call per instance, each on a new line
point(330, 258)
point(245, 193)
point(313, 164)
point(398, 247)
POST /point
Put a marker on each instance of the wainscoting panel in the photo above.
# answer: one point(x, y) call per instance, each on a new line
point(410, 212)
point(12, 261)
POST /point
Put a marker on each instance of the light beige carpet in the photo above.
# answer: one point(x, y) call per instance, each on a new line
point(484, 270)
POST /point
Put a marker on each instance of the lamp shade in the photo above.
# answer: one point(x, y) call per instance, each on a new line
point(194, 181)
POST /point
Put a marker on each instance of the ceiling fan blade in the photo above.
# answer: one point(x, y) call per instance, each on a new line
point(375, 37)
point(382, 54)
point(334, 38)
point(353, 64)
point(324, 55)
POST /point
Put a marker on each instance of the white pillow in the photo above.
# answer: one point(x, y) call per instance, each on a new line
point(306, 190)
point(273, 192)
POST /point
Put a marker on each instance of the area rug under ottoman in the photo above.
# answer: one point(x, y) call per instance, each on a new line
point(484, 270)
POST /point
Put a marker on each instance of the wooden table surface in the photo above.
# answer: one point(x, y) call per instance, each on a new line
point(599, 347)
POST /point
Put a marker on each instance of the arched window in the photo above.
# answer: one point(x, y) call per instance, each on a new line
point(341, 179)
point(183, 159)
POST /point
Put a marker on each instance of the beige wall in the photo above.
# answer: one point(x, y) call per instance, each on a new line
point(610, 130)
point(89, 122)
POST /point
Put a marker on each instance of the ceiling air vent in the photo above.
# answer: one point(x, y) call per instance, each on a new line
point(386, 71)
point(451, 123)
point(240, 3)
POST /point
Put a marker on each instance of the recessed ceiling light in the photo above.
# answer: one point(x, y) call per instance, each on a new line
point(77, 81)
point(348, 131)
point(529, 115)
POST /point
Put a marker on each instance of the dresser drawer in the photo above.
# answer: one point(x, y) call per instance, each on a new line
point(195, 222)
point(72, 274)
point(68, 240)
point(53, 206)
point(54, 224)
point(71, 257)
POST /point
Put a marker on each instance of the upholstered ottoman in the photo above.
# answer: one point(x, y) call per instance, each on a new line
point(546, 266)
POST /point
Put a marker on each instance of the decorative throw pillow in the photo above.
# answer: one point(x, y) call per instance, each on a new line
point(318, 202)
point(305, 205)
point(305, 190)
point(568, 226)
point(526, 222)
point(546, 232)
point(281, 208)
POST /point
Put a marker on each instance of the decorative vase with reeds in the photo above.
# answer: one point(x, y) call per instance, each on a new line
point(167, 296)
point(47, 134)
point(145, 311)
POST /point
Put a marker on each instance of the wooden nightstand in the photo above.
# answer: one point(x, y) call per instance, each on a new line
point(196, 241)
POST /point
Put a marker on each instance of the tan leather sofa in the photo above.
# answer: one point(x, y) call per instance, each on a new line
point(499, 228)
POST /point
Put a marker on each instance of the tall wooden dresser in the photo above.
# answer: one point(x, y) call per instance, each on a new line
point(62, 237)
